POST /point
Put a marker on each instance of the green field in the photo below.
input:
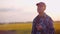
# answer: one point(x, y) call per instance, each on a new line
point(25, 28)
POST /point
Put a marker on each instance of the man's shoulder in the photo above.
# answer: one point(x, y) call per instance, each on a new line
point(36, 17)
point(34, 20)
point(48, 17)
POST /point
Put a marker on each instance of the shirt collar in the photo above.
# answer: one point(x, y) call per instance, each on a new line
point(44, 15)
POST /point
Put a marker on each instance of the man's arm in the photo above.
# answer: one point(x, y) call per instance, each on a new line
point(51, 27)
point(33, 28)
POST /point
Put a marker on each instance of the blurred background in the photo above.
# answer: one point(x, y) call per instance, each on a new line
point(16, 16)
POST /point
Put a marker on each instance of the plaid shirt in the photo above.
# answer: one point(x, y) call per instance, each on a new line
point(46, 22)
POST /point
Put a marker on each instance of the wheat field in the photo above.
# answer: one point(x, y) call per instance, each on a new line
point(24, 28)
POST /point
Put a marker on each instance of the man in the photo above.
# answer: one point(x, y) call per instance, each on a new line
point(42, 24)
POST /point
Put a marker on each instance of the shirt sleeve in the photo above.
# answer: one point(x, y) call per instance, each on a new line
point(33, 28)
point(51, 27)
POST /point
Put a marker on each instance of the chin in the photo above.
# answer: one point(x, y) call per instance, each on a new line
point(40, 12)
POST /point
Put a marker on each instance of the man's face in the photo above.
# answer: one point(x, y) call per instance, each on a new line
point(41, 8)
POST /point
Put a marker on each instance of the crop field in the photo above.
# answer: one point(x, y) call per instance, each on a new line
point(22, 28)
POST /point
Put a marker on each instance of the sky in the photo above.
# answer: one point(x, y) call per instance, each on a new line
point(26, 10)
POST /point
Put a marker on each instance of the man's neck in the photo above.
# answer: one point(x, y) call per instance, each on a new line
point(41, 14)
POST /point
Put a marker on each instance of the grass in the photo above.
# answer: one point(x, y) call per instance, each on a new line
point(24, 28)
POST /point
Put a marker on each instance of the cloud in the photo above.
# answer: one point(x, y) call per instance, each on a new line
point(7, 9)
point(11, 9)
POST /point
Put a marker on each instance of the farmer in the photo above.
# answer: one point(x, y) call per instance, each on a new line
point(42, 23)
